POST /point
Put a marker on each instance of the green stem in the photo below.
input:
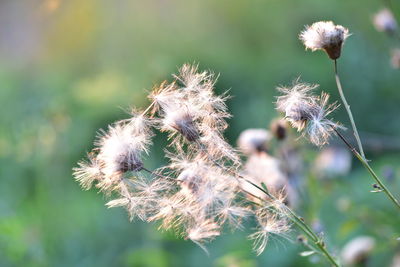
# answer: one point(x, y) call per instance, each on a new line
point(347, 106)
point(370, 170)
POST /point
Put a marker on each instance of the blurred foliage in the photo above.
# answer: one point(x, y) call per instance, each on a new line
point(71, 67)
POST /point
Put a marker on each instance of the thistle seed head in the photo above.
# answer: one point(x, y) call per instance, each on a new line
point(308, 112)
point(325, 35)
point(120, 149)
point(182, 121)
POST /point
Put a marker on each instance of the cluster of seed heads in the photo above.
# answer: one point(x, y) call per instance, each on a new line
point(202, 188)
point(205, 186)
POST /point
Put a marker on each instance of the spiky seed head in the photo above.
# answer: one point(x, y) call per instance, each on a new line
point(120, 149)
point(325, 35)
point(297, 102)
point(308, 112)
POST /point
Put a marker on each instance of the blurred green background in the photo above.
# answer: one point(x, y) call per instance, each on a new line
point(68, 68)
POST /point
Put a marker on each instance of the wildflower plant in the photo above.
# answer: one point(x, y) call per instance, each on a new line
point(205, 187)
point(305, 110)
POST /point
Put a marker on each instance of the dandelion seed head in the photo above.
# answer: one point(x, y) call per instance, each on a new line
point(384, 21)
point(325, 35)
point(253, 140)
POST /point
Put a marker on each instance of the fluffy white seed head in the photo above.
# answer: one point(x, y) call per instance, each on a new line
point(307, 112)
point(325, 35)
point(384, 21)
point(117, 151)
point(253, 140)
point(120, 149)
point(319, 128)
point(296, 102)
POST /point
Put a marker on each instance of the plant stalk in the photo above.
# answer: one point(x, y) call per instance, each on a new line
point(347, 106)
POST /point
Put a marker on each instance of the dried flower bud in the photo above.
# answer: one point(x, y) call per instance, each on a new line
point(279, 128)
point(253, 140)
point(356, 251)
point(384, 21)
point(325, 35)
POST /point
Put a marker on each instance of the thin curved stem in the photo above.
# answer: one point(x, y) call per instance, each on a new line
point(347, 106)
point(368, 167)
